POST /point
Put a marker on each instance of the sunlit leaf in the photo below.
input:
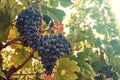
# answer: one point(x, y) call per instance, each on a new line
point(67, 69)
point(13, 33)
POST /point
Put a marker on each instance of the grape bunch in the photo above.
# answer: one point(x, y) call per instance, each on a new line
point(107, 71)
point(50, 48)
point(28, 23)
point(99, 77)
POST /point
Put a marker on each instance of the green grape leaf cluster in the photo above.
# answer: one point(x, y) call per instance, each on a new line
point(67, 69)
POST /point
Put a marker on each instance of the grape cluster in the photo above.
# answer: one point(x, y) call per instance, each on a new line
point(99, 77)
point(28, 23)
point(107, 71)
point(51, 47)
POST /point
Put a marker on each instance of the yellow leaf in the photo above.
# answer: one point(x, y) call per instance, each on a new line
point(87, 45)
point(71, 21)
point(70, 76)
point(12, 34)
point(63, 72)
point(82, 46)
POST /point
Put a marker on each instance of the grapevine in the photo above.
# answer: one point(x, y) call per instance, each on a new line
point(49, 47)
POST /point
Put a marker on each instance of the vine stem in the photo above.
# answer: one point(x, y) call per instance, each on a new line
point(14, 69)
point(10, 42)
point(37, 3)
point(31, 74)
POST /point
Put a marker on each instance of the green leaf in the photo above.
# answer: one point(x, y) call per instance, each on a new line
point(86, 69)
point(115, 47)
point(98, 65)
point(95, 13)
point(67, 69)
point(101, 28)
point(2, 74)
point(53, 3)
point(5, 21)
point(8, 12)
point(109, 50)
point(4, 33)
point(34, 5)
point(65, 3)
point(116, 76)
point(116, 64)
point(55, 14)
point(88, 9)
point(15, 9)
point(98, 42)
point(101, 1)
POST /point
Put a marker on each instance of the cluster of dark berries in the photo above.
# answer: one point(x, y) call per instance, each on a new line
point(99, 77)
point(51, 47)
point(107, 71)
point(28, 23)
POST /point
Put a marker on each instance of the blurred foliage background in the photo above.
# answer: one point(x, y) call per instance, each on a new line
point(92, 30)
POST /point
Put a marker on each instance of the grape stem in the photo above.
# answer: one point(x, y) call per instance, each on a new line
point(45, 31)
point(1, 61)
point(10, 42)
point(14, 69)
point(37, 3)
